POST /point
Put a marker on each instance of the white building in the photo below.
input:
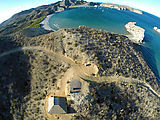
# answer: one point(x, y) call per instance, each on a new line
point(57, 105)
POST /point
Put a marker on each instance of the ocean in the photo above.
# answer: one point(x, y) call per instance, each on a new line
point(113, 20)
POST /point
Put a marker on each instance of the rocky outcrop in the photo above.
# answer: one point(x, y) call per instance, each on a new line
point(136, 32)
point(121, 7)
point(72, 2)
point(156, 29)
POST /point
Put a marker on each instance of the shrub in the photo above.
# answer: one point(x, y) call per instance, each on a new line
point(68, 102)
point(76, 44)
point(36, 22)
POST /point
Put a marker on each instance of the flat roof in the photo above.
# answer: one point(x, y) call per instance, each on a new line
point(75, 84)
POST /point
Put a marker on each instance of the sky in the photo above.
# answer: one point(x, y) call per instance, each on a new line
point(10, 7)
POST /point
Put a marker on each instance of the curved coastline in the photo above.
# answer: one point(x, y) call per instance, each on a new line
point(45, 23)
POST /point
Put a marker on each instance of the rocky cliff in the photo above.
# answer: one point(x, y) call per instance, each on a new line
point(121, 7)
point(136, 33)
point(72, 2)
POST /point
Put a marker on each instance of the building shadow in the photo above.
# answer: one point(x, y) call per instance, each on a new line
point(71, 110)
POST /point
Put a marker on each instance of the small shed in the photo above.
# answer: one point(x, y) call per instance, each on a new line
point(57, 105)
point(75, 86)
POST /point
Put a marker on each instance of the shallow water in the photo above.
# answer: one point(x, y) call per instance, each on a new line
point(113, 20)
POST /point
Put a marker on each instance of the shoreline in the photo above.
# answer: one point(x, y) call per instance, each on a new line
point(45, 24)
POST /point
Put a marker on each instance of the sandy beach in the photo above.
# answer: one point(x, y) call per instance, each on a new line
point(45, 23)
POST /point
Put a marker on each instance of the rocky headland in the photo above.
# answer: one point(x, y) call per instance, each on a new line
point(136, 33)
point(121, 7)
point(35, 62)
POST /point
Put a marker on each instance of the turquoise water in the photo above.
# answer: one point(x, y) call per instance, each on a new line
point(113, 21)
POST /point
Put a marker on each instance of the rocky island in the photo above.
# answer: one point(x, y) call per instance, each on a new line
point(156, 29)
point(90, 73)
point(136, 33)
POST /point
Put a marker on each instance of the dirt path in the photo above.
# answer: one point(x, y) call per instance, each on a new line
point(31, 48)
point(73, 71)
point(80, 70)
point(123, 79)
point(134, 81)
point(63, 82)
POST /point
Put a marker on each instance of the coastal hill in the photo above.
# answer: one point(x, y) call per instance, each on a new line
point(32, 17)
point(121, 7)
point(116, 82)
point(123, 87)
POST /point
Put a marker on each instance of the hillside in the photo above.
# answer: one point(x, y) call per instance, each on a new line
point(30, 18)
point(121, 88)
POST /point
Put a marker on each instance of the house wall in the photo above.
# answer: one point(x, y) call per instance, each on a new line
point(56, 109)
point(50, 103)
